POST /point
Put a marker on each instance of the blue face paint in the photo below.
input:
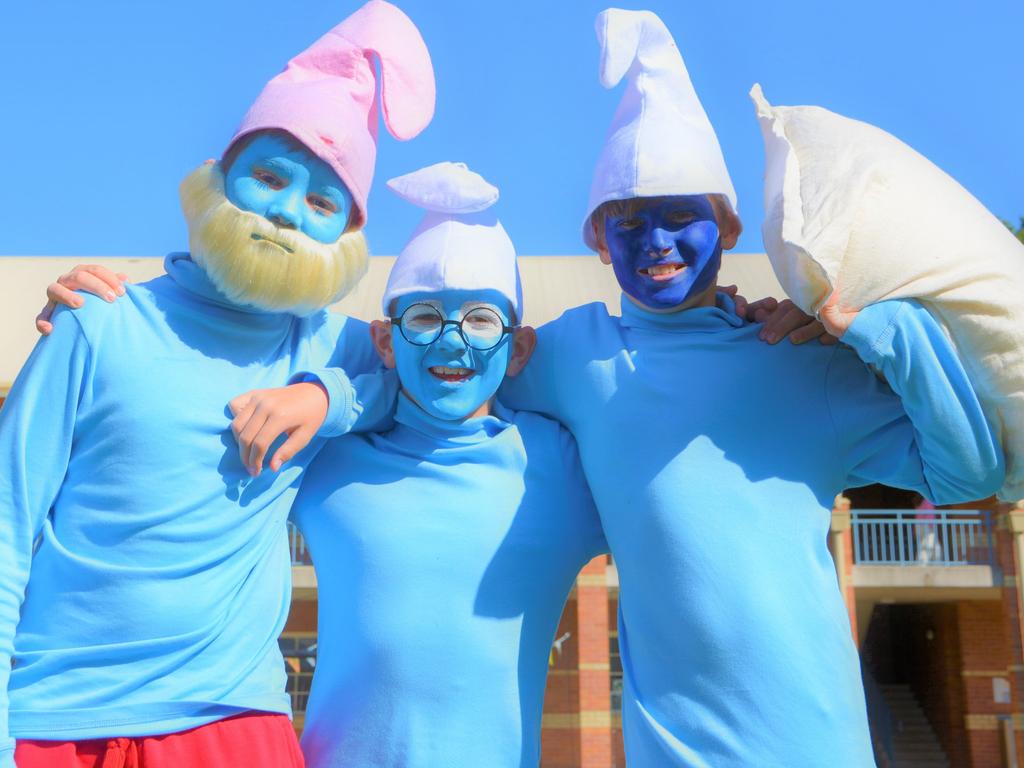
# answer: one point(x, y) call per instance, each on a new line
point(449, 379)
point(666, 253)
point(290, 186)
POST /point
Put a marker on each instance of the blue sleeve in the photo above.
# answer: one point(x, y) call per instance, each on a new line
point(537, 387)
point(37, 424)
point(364, 403)
point(932, 436)
point(361, 392)
point(586, 521)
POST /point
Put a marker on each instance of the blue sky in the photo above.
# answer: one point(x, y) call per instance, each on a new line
point(105, 105)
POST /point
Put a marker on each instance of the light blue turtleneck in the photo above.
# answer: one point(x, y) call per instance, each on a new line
point(714, 460)
point(162, 578)
point(444, 552)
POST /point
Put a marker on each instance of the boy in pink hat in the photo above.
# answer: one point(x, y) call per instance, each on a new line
point(141, 597)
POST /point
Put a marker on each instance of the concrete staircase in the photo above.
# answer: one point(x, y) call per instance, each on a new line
point(914, 742)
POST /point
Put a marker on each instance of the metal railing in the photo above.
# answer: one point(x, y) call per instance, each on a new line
point(297, 547)
point(923, 537)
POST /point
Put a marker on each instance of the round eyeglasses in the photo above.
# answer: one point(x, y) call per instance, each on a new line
point(481, 328)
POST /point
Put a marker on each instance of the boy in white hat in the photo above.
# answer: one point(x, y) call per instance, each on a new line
point(444, 547)
point(142, 595)
point(715, 494)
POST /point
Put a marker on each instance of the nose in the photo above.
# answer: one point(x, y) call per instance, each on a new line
point(285, 211)
point(661, 244)
point(451, 340)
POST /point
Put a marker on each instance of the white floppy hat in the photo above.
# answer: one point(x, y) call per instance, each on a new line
point(660, 142)
point(459, 244)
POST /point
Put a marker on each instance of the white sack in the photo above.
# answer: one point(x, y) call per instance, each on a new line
point(850, 207)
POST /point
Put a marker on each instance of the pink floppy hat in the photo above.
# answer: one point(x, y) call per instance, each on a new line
point(326, 97)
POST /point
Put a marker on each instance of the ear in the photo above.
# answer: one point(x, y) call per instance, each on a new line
point(602, 245)
point(380, 332)
point(729, 224)
point(523, 341)
point(730, 231)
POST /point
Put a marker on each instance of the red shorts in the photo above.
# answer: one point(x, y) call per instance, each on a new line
point(249, 740)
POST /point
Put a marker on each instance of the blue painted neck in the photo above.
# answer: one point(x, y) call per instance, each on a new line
point(446, 433)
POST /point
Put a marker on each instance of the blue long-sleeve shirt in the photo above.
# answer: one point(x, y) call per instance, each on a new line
point(444, 553)
point(162, 577)
point(714, 460)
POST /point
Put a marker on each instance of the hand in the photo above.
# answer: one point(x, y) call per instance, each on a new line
point(90, 278)
point(787, 320)
point(757, 312)
point(836, 321)
point(263, 415)
point(738, 300)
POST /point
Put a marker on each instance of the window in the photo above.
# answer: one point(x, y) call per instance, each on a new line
point(615, 671)
point(299, 652)
point(297, 547)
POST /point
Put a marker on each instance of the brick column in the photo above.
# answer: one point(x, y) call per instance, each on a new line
point(984, 654)
point(840, 542)
point(1012, 574)
point(577, 718)
point(594, 684)
point(1010, 555)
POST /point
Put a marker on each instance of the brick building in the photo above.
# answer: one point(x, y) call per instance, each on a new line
point(934, 597)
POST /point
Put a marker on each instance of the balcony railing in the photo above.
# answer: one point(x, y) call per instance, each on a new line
point(918, 537)
point(297, 547)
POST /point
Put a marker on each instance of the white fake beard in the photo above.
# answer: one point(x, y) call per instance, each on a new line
point(237, 251)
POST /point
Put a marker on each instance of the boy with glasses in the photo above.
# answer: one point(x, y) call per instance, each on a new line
point(445, 546)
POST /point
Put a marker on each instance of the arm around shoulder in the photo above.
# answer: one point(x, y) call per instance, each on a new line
point(362, 403)
point(586, 521)
point(544, 384)
point(932, 435)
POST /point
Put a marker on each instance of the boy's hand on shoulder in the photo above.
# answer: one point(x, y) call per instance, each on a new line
point(90, 278)
point(786, 320)
point(744, 309)
point(263, 415)
point(782, 319)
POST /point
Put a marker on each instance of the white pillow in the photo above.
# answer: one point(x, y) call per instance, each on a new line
point(850, 207)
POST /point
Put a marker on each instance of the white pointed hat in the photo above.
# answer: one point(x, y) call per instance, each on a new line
point(459, 244)
point(660, 142)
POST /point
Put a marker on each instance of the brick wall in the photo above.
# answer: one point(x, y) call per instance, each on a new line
point(560, 746)
point(302, 617)
point(1010, 612)
point(985, 655)
point(577, 722)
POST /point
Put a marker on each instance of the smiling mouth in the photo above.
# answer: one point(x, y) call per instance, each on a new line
point(662, 272)
point(263, 239)
point(445, 373)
